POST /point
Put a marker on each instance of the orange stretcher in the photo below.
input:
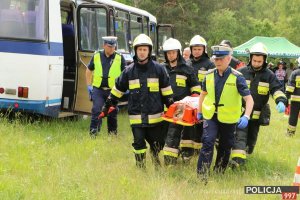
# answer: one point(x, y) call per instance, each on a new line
point(187, 116)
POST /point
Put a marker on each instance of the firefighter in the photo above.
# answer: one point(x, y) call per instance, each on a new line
point(201, 63)
point(234, 62)
point(107, 66)
point(262, 82)
point(293, 93)
point(220, 108)
point(184, 83)
point(149, 89)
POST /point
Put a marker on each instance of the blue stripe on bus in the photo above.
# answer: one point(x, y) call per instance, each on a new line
point(35, 48)
point(32, 106)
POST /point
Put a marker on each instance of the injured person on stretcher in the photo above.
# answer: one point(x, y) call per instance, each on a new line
point(183, 112)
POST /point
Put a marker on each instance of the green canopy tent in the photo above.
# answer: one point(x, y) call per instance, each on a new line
point(278, 47)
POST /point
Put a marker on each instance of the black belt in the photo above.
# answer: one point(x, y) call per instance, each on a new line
point(105, 88)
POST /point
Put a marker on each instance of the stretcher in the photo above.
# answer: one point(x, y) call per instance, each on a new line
point(183, 112)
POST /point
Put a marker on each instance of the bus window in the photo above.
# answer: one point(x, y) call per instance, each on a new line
point(164, 32)
point(122, 31)
point(152, 35)
point(145, 25)
point(135, 26)
point(93, 26)
point(22, 19)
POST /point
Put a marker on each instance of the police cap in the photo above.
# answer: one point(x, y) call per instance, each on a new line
point(110, 40)
point(220, 51)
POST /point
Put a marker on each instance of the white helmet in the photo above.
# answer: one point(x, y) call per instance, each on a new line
point(259, 49)
point(197, 40)
point(142, 40)
point(298, 60)
point(171, 44)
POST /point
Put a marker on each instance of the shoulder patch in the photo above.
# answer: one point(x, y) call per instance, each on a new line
point(235, 72)
point(211, 71)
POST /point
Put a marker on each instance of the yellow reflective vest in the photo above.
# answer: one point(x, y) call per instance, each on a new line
point(114, 71)
point(230, 103)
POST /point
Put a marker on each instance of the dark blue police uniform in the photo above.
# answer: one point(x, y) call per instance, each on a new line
point(213, 127)
point(100, 95)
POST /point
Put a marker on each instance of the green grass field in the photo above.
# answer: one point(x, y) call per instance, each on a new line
point(56, 159)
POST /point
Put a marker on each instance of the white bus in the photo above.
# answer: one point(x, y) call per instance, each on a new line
point(45, 46)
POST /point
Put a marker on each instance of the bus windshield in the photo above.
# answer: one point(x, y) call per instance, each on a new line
point(22, 19)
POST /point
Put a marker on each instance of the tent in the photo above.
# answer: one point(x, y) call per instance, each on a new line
point(278, 47)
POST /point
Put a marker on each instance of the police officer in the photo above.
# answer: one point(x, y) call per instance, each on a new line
point(262, 82)
point(234, 62)
point(149, 89)
point(184, 83)
point(201, 63)
point(293, 93)
point(220, 106)
point(105, 66)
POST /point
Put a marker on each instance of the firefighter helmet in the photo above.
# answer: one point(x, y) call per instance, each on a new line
point(142, 40)
point(197, 40)
point(259, 49)
point(171, 44)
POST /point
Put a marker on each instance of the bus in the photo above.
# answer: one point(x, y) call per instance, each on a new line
point(46, 45)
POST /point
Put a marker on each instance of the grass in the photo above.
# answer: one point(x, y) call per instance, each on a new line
point(56, 159)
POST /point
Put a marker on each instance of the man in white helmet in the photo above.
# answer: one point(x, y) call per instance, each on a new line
point(262, 83)
point(293, 93)
point(184, 83)
point(201, 63)
point(149, 89)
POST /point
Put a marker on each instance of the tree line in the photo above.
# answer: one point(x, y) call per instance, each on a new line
point(234, 20)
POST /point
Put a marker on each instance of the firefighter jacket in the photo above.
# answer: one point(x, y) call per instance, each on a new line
point(262, 83)
point(201, 66)
point(149, 89)
point(293, 86)
point(182, 79)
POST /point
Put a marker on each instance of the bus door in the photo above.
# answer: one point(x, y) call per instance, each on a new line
point(164, 32)
point(93, 24)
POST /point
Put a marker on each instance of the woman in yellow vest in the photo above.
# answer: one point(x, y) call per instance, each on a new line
point(220, 108)
point(104, 68)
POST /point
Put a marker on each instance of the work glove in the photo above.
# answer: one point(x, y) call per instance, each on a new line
point(280, 107)
point(243, 122)
point(195, 95)
point(105, 111)
point(199, 116)
point(90, 91)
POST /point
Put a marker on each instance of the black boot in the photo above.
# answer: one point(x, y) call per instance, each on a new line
point(170, 160)
point(140, 160)
point(187, 154)
point(237, 163)
point(115, 132)
point(93, 133)
point(290, 133)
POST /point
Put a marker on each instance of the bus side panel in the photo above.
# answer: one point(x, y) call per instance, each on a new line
point(55, 69)
point(82, 103)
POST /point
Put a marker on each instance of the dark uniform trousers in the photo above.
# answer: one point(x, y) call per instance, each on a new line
point(193, 133)
point(294, 112)
point(211, 128)
point(245, 139)
point(99, 97)
point(154, 135)
point(177, 132)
